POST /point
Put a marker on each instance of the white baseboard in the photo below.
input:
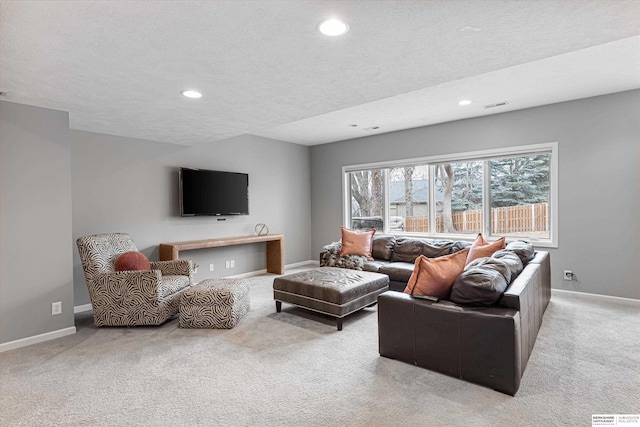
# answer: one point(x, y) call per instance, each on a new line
point(595, 297)
point(245, 275)
point(12, 345)
point(82, 308)
point(264, 271)
point(315, 263)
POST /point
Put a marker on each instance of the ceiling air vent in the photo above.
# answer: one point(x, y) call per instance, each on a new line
point(497, 104)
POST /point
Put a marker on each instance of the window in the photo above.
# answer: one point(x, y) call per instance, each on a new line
point(520, 196)
point(459, 208)
point(409, 198)
point(507, 192)
point(366, 190)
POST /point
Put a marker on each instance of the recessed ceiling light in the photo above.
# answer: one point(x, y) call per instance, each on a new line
point(191, 94)
point(333, 27)
point(464, 102)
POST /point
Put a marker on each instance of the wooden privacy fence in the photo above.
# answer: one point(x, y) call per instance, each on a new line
point(510, 219)
point(514, 219)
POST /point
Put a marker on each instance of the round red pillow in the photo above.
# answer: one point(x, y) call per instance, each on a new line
point(130, 261)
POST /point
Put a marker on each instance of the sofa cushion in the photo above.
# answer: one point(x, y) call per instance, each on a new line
point(356, 242)
point(374, 265)
point(436, 248)
point(523, 249)
point(481, 248)
point(383, 247)
point(496, 264)
point(435, 276)
point(397, 271)
point(511, 259)
point(407, 250)
point(478, 286)
point(459, 245)
point(172, 284)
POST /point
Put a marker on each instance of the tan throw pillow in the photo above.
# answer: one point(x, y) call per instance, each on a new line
point(481, 248)
point(356, 242)
point(435, 276)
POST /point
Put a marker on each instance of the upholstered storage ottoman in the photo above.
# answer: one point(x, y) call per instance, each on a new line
point(214, 303)
point(333, 291)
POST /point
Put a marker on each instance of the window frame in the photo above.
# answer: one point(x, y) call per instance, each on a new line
point(482, 155)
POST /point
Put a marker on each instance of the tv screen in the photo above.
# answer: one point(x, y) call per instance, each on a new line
point(206, 192)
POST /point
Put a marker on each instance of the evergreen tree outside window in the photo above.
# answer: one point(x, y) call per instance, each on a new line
point(520, 196)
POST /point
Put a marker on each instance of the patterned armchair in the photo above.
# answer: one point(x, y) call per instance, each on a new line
point(130, 298)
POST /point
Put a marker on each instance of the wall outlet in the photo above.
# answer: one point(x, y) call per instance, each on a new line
point(568, 275)
point(56, 308)
point(210, 267)
point(233, 263)
point(227, 264)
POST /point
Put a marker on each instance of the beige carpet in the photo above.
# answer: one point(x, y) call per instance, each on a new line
point(295, 369)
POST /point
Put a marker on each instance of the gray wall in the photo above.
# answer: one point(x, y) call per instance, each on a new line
point(130, 185)
point(35, 221)
point(599, 208)
point(123, 184)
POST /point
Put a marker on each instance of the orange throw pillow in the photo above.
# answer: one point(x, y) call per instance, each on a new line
point(481, 248)
point(435, 276)
point(132, 261)
point(356, 242)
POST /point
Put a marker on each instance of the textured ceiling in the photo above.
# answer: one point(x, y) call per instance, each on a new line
point(119, 67)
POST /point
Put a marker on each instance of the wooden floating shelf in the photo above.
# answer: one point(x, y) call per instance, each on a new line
point(275, 248)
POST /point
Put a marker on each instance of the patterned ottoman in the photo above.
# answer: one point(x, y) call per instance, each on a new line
point(214, 303)
point(334, 291)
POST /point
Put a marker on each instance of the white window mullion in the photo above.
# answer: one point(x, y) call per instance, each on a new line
point(486, 198)
point(432, 200)
point(346, 198)
point(553, 195)
point(385, 201)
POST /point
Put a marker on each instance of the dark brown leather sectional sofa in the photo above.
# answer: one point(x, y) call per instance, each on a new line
point(391, 256)
point(487, 345)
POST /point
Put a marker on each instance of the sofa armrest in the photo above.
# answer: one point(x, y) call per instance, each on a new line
point(178, 267)
point(396, 326)
point(536, 274)
point(530, 294)
point(477, 344)
point(124, 285)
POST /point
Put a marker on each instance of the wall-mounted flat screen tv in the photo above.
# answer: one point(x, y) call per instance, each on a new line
point(207, 192)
